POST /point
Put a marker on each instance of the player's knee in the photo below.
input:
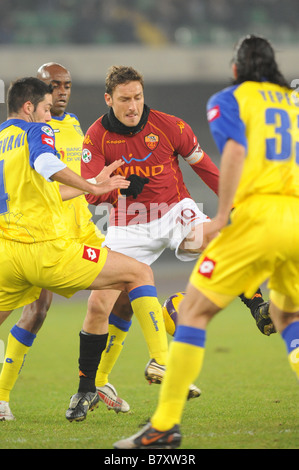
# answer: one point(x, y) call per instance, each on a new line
point(95, 305)
point(145, 275)
point(98, 304)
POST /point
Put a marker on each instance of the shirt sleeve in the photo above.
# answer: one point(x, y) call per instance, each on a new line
point(47, 165)
point(182, 137)
point(42, 152)
point(41, 140)
point(224, 119)
point(207, 171)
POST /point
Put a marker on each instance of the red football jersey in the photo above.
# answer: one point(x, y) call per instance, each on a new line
point(153, 153)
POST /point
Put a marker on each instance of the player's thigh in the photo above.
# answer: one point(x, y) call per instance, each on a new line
point(65, 266)
point(196, 310)
point(120, 270)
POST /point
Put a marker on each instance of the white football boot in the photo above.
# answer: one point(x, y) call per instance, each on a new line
point(108, 395)
point(5, 412)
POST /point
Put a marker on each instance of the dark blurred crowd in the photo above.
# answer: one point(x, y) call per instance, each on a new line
point(146, 22)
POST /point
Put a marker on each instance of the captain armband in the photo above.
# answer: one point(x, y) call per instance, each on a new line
point(195, 156)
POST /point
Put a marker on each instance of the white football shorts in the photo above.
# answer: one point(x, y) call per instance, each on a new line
point(146, 242)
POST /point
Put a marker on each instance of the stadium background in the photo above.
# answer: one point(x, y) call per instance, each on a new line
point(183, 48)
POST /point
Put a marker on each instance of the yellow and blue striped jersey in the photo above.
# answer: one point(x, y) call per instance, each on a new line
point(68, 140)
point(30, 206)
point(264, 118)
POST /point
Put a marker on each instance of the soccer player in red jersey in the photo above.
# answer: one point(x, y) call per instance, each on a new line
point(156, 212)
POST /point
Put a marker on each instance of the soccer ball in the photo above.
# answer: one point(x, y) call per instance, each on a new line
point(170, 310)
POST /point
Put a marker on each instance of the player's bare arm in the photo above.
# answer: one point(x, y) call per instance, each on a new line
point(74, 185)
point(230, 173)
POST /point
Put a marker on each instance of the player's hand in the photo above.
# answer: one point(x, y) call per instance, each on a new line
point(136, 186)
point(115, 182)
point(108, 170)
point(106, 182)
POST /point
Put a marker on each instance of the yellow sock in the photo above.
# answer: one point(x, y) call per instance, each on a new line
point(148, 311)
point(294, 361)
point(19, 342)
point(185, 361)
point(290, 336)
point(115, 341)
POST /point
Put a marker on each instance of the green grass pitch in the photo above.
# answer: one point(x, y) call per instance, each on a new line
point(249, 393)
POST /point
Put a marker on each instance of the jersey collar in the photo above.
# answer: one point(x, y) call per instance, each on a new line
point(112, 124)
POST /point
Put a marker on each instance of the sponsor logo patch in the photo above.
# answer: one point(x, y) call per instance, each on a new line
point(60, 154)
point(119, 141)
point(207, 267)
point(47, 130)
point(91, 254)
point(48, 140)
point(87, 140)
point(181, 125)
point(86, 155)
point(213, 113)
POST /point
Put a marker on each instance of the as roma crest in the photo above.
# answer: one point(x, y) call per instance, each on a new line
point(151, 141)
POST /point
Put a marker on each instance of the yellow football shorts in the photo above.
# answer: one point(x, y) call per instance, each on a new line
point(261, 243)
point(93, 237)
point(62, 266)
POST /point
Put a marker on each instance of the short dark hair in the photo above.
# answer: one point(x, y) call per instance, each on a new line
point(26, 89)
point(120, 74)
point(255, 61)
